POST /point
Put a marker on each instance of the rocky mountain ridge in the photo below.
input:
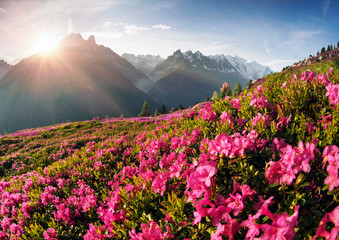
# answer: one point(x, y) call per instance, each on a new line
point(327, 55)
point(4, 68)
point(79, 81)
point(88, 48)
point(144, 63)
point(221, 63)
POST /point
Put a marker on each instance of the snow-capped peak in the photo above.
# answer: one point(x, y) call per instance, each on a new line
point(144, 63)
point(222, 63)
point(219, 62)
point(249, 69)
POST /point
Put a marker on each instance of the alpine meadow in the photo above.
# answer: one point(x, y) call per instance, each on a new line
point(259, 165)
point(169, 120)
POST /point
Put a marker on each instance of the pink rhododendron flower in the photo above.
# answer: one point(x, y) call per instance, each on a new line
point(28, 185)
point(331, 156)
point(205, 173)
point(63, 213)
point(224, 87)
point(235, 203)
point(229, 230)
point(226, 117)
point(151, 231)
point(284, 121)
point(261, 118)
point(282, 226)
point(241, 121)
point(333, 94)
point(26, 209)
point(50, 234)
point(332, 217)
point(322, 79)
point(292, 161)
point(159, 183)
point(16, 230)
point(5, 223)
point(207, 113)
point(202, 209)
point(253, 228)
point(310, 127)
point(326, 120)
point(47, 196)
point(168, 218)
point(199, 180)
point(278, 144)
point(259, 102)
point(93, 234)
point(235, 102)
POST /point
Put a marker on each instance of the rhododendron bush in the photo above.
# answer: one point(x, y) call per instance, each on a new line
point(260, 165)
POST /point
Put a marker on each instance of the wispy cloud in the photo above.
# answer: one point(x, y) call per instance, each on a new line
point(325, 7)
point(123, 37)
point(304, 34)
point(294, 41)
point(267, 49)
point(134, 29)
point(299, 39)
point(161, 27)
point(3, 11)
point(123, 28)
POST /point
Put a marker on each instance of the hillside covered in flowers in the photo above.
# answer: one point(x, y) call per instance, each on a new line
point(260, 165)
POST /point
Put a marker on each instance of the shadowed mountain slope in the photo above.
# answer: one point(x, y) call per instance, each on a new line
point(74, 83)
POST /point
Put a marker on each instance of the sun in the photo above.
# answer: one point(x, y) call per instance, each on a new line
point(46, 43)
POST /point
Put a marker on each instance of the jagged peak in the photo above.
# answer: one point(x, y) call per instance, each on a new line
point(198, 53)
point(3, 62)
point(177, 52)
point(73, 37)
point(91, 39)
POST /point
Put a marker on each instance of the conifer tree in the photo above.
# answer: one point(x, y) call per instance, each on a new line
point(237, 89)
point(249, 84)
point(228, 92)
point(145, 111)
point(323, 50)
point(163, 109)
point(225, 90)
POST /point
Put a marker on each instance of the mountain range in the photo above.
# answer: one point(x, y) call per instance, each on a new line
point(186, 77)
point(144, 63)
point(220, 63)
point(82, 80)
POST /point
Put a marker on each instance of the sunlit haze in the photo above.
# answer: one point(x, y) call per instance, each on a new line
point(46, 43)
point(274, 33)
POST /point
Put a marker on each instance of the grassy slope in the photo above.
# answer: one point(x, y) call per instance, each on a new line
point(104, 178)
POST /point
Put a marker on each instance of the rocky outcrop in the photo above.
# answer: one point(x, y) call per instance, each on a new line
point(328, 55)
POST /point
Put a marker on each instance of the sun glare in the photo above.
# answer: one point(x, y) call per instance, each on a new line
point(46, 44)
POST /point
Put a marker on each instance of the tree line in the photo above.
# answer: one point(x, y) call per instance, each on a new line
point(145, 112)
point(225, 90)
point(330, 47)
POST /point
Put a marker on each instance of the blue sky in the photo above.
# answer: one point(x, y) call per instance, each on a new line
point(272, 32)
